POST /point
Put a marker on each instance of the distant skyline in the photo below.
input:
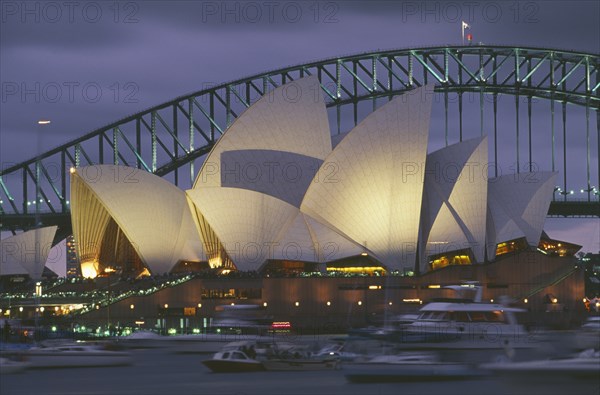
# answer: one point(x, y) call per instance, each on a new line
point(88, 63)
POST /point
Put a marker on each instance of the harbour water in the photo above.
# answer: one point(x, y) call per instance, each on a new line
point(161, 371)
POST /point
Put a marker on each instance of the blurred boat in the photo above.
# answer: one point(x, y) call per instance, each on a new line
point(300, 359)
point(583, 365)
point(339, 352)
point(76, 355)
point(184, 343)
point(247, 356)
point(10, 366)
point(462, 323)
point(408, 367)
point(588, 336)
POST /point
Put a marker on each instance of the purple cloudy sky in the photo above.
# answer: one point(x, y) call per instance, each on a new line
point(111, 59)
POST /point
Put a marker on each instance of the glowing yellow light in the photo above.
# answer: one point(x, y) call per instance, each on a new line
point(297, 304)
point(44, 122)
point(554, 300)
point(56, 308)
point(390, 303)
point(434, 286)
point(597, 304)
point(525, 300)
point(166, 305)
point(199, 305)
point(491, 300)
point(364, 254)
point(374, 286)
point(412, 300)
point(89, 269)
point(132, 306)
point(264, 304)
point(42, 309)
point(360, 302)
point(328, 303)
point(215, 262)
point(21, 309)
point(72, 170)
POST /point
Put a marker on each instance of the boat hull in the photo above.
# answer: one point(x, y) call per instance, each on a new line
point(227, 366)
point(12, 367)
point(583, 368)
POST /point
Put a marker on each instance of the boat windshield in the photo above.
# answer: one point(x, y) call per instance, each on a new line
point(463, 316)
point(434, 316)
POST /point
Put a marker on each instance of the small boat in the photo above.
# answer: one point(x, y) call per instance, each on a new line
point(233, 361)
point(243, 356)
point(252, 356)
point(408, 367)
point(10, 366)
point(583, 365)
point(76, 355)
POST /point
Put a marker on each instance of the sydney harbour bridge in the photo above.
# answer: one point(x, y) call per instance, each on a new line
point(540, 108)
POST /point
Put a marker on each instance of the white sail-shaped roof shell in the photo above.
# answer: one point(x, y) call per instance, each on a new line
point(151, 212)
point(247, 223)
point(307, 239)
point(455, 200)
point(254, 227)
point(27, 252)
point(518, 205)
point(291, 119)
point(370, 187)
point(329, 244)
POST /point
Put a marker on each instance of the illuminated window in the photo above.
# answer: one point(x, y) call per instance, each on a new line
point(459, 257)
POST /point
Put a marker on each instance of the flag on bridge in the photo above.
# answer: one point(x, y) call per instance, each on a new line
point(465, 25)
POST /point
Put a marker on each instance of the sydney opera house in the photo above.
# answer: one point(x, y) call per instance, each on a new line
point(278, 198)
point(278, 187)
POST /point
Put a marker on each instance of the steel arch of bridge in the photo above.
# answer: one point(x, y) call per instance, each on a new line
point(166, 137)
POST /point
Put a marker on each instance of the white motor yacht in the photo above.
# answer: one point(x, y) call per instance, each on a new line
point(465, 323)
